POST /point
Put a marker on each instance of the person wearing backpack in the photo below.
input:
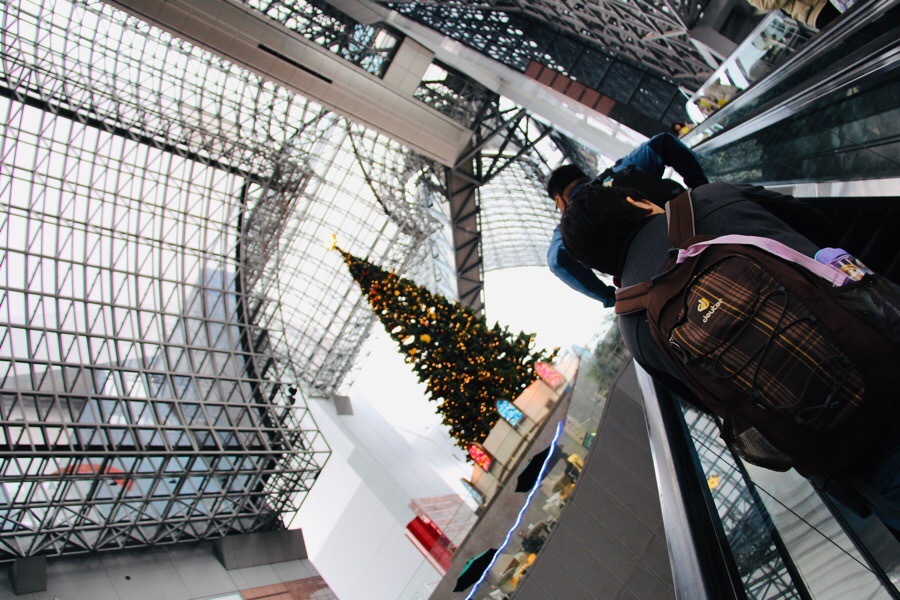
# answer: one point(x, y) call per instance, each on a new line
point(642, 169)
point(797, 363)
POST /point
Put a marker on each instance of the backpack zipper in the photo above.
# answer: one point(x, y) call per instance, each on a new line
point(681, 351)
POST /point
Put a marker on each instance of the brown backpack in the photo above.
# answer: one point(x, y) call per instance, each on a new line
point(800, 366)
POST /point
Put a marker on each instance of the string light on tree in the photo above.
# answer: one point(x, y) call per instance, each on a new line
point(464, 363)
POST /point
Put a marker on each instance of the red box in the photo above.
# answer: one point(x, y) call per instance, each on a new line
point(534, 69)
point(590, 97)
point(560, 83)
point(575, 90)
point(604, 105)
point(546, 76)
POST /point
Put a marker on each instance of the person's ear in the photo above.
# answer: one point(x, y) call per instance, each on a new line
point(652, 209)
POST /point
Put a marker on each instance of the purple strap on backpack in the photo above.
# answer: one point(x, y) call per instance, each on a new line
point(826, 272)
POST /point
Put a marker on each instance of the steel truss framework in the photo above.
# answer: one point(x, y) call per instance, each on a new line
point(369, 47)
point(167, 301)
point(504, 137)
point(632, 55)
point(653, 33)
point(496, 185)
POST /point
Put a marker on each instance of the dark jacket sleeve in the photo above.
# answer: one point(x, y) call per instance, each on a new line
point(678, 156)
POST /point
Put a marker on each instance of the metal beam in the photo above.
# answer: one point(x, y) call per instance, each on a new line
point(502, 137)
point(265, 46)
point(466, 232)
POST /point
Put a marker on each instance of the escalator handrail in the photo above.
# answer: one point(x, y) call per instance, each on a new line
point(862, 15)
point(831, 81)
point(701, 569)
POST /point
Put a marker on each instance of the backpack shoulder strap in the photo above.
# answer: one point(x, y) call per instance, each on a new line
point(680, 219)
point(633, 298)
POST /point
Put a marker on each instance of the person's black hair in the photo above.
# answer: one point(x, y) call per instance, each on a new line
point(562, 177)
point(599, 224)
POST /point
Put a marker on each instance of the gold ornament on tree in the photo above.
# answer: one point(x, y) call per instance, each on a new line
point(466, 364)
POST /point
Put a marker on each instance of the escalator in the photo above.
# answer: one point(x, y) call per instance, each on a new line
point(825, 126)
point(828, 114)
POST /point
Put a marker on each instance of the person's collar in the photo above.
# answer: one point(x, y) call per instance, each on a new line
point(575, 187)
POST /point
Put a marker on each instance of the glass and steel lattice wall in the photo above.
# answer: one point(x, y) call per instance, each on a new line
point(651, 33)
point(166, 299)
point(506, 214)
point(754, 541)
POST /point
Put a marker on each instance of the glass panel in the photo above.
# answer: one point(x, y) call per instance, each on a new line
point(556, 472)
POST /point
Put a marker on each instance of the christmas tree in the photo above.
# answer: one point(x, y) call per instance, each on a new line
point(465, 365)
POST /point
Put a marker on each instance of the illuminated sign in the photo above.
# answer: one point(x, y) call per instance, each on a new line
point(509, 412)
point(480, 456)
point(470, 487)
point(550, 375)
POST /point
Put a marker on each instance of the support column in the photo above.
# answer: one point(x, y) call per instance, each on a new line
point(29, 575)
point(462, 188)
point(264, 548)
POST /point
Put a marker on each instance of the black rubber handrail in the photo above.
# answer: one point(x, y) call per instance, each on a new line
point(869, 30)
point(703, 567)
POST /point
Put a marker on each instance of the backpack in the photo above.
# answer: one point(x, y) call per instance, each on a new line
point(800, 368)
point(656, 189)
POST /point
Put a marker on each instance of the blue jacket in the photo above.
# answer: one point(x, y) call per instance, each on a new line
point(652, 156)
